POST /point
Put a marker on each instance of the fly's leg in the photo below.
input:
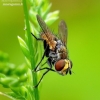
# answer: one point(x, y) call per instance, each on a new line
point(49, 63)
point(41, 58)
point(42, 78)
point(45, 68)
point(37, 38)
point(44, 63)
point(39, 62)
point(48, 69)
point(43, 54)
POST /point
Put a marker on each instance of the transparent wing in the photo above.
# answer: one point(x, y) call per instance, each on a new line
point(42, 24)
point(46, 34)
point(62, 31)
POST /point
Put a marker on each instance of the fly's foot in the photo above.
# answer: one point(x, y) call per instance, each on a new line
point(34, 70)
point(35, 86)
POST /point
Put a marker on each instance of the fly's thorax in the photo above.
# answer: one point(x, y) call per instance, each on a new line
point(63, 66)
point(50, 39)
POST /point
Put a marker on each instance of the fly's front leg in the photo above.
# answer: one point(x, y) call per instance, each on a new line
point(37, 38)
point(49, 63)
point(45, 68)
point(43, 54)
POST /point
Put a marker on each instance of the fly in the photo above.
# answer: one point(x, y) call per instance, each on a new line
point(55, 49)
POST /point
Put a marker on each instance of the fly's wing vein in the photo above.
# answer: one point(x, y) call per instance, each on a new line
point(46, 34)
point(62, 31)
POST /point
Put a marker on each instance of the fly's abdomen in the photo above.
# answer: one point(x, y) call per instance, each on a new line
point(61, 51)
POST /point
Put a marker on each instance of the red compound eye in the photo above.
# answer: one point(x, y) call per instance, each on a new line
point(59, 65)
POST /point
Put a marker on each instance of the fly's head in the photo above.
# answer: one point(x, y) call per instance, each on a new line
point(63, 66)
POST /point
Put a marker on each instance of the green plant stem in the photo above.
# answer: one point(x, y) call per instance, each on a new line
point(36, 93)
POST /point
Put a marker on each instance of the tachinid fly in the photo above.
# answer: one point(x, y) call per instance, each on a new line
point(55, 49)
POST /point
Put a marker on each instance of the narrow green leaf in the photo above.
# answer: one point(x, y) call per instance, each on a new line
point(50, 21)
point(7, 81)
point(20, 70)
point(28, 62)
point(23, 78)
point(32, 16)
point(53, 14)
point(30, 77)
point(23, 91)
point(7, 95)
point(52, 17)
point(31, 2)
point(47, 9)
point(15, 96)
point(24, 47)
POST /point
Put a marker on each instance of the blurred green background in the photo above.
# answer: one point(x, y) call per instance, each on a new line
point(83, 21)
